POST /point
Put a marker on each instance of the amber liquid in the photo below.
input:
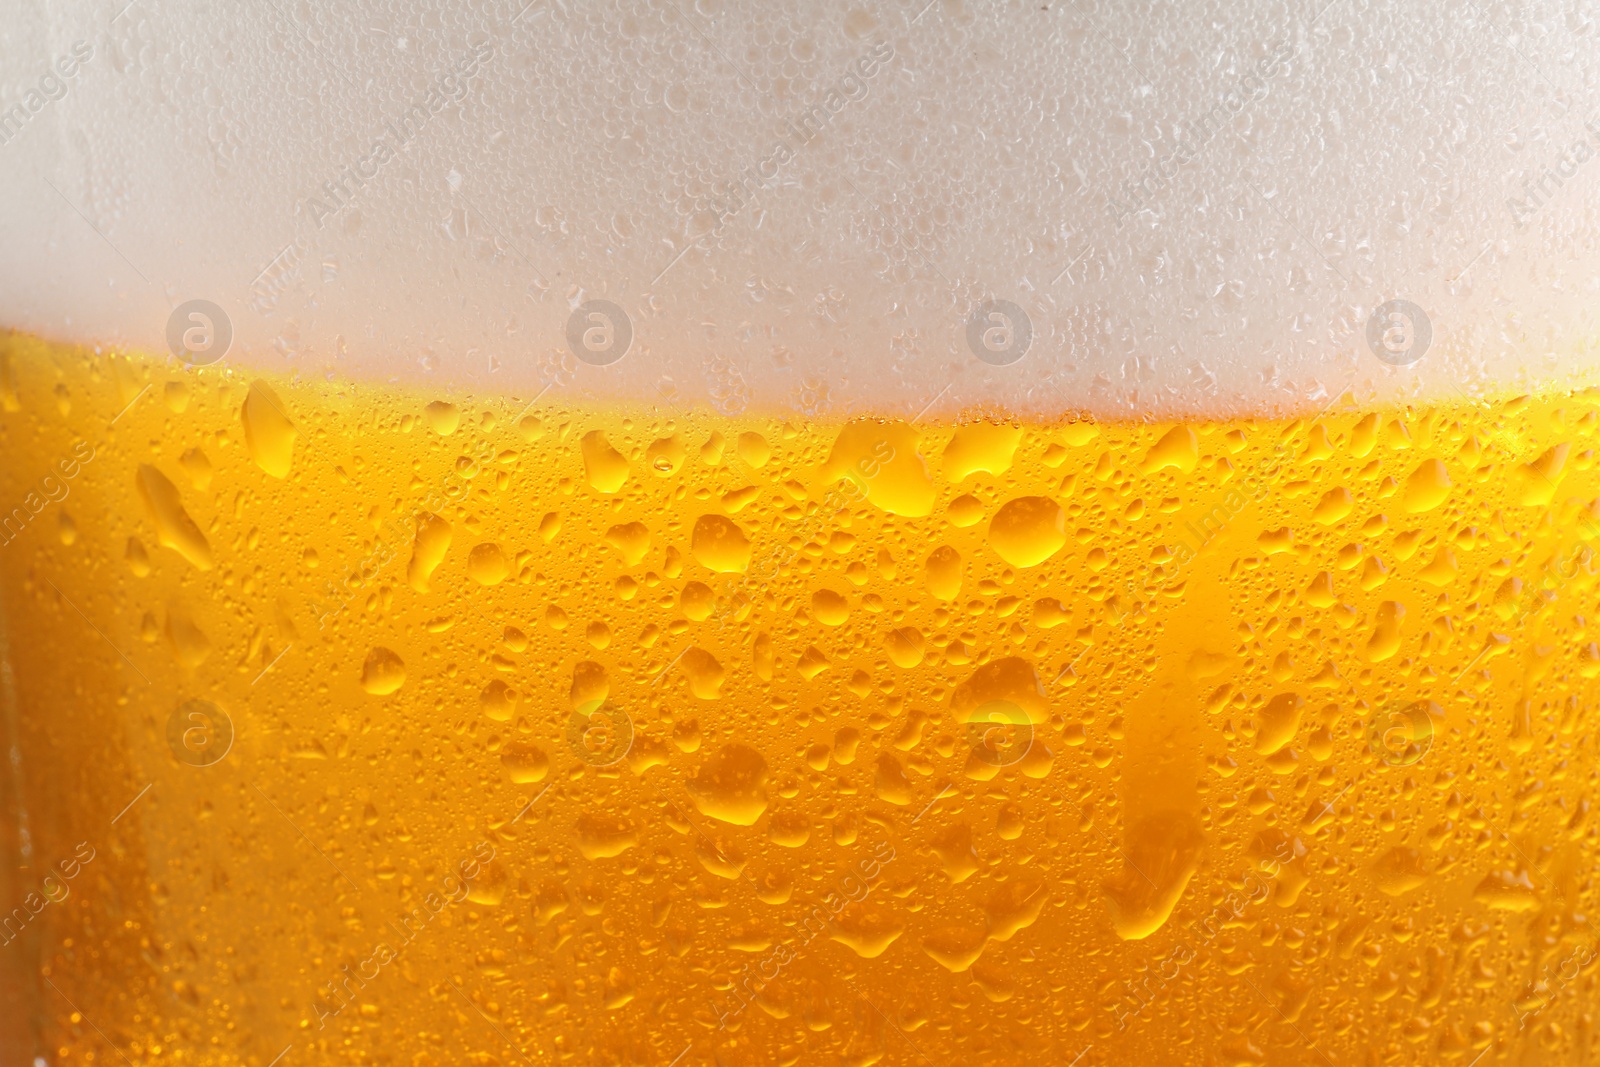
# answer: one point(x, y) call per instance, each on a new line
point(420, 730)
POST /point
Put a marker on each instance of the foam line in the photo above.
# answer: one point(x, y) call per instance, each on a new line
point(1213, 209)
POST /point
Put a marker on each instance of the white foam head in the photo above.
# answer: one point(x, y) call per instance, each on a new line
point(1197, 208)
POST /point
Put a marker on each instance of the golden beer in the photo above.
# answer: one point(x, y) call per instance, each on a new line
point(376, 726)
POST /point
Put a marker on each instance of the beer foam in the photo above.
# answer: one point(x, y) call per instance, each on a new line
point(831, 207)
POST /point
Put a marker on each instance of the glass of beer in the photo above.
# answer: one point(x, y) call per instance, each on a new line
point(676, 535)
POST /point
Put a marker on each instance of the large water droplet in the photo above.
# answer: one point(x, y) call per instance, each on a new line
point(268, 434)
point(383, 672)
point(1028, 530)
point(731, 785)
